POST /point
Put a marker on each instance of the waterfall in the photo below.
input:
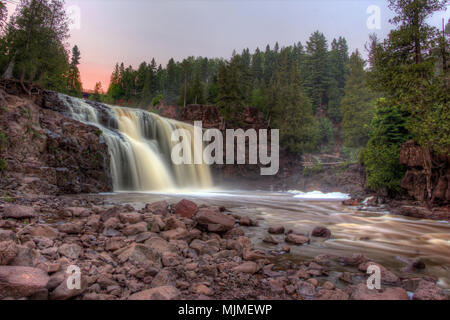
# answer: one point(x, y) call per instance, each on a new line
point(140, 145)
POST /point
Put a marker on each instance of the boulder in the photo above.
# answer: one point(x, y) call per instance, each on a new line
point(77, 212)
point(140, 253)
point(201, 247)
point(8, 251)
point(305, 288)
point(276, 230)
point(174, 223)
point(326, 294)
point(186, 208)
point(296, 239)
point(18, 212)
point(160, 245)
point(427, 290)
point(214, 220)
point(270, 239)
point(247, 267)
point(62, 291)
point(160, 208)
point(42, 230)
point(159, 293)
point(321, 232)
point(112, 223)
point(70, 250)
point(245, 221)
point(130, 217)
point(18, 282)
point(71, 228)
point(134, 229)
point(6, 235)
point(386, 275)
point(175, 234)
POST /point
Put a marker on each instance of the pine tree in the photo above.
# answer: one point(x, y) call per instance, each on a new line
point(34, 43)
point(357, 105)
point(317, 72)
point(74, 81)
point(404, 71)
point(292, 110)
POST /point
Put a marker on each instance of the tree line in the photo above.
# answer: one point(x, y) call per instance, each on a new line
point(317, 93)
point(33, 46)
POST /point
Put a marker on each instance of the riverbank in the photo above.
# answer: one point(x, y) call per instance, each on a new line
point(178, 251)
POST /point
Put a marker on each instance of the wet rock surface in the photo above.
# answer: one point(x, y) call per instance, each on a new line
point(158, 253)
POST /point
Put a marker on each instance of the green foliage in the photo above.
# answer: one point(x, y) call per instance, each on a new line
point(157, 100)
point(2, 165)
point(73, 78)
point(33, 47)
point(3, 141)
point(311, 171)
point(357, 105)
point(98, 91)
point(326, 132)
point(407, 70)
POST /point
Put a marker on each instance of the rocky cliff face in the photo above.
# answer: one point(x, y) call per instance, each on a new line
point(415, 180)
point(44, 152)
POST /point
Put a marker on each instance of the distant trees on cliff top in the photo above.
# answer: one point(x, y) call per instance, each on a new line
point(316, 93)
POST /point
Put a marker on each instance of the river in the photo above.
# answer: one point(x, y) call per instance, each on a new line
point(385, 238)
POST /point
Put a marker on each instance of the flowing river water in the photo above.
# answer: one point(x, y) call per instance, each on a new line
point(387, 239)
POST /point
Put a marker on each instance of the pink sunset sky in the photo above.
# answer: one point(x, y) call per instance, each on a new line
point(133, 31)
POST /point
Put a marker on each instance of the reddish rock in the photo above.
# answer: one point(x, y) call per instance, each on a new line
point(350, 202)
point(71, 228)
point(112, 223)
point(77, 212)
point(427, 290)
point(321, 232)
point(200, 288)
point(415, 179)
point(18, 282)
point(8, 251)
point(296, 239)
point(305, 289)
point(18, 212)
point(134, 229)
point(214, 220)
point(43, 231)
point(70, 250)
point(174, 223)
point(247, 267)
point(140, 253)
point(130, 217)
point(361, 292)
point(201, 247)
point(174, 234)
point(327, 294)
point(186, 208)
point(62, 291)
point(159, 293)
point(270, 239)
point(160, 208)
point(386, 275)
point(276, 230)
point(245, 221)
point(6, 235)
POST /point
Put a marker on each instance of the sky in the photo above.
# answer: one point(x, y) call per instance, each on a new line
point(110, 31)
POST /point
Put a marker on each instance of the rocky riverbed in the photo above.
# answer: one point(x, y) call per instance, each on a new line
point(176, 251)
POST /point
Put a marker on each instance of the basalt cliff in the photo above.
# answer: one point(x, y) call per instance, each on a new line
point(44, 152)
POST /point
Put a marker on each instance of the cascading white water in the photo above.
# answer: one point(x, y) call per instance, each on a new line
point(140, 146)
